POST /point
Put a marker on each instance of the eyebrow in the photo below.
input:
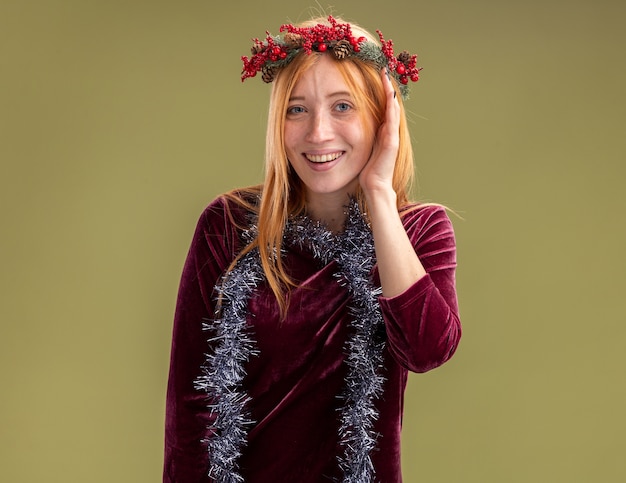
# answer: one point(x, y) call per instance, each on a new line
point(334, 94)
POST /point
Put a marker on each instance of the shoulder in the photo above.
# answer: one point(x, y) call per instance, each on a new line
point(232, 209)
point(430, 230)
point(425, 217)
point(218, 235)
point(221, 224)
point(214, 215)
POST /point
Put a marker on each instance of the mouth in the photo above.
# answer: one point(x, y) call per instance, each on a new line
point(323, 158)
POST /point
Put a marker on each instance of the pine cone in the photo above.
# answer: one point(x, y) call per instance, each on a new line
point(404, 57)
point(342, 49)
point(257, 48)
point(293, 41)
point(268, 72)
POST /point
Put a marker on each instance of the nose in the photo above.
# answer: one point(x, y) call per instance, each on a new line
point(320, 128)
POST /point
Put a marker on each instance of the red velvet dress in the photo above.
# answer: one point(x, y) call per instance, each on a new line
point(300, 370)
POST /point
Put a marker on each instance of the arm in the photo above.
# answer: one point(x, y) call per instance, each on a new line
point(187, 415)
point(416, 270)
point(422, 323)
point(398, 265)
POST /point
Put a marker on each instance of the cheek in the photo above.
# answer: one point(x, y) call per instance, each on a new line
point(370, 130)
point(289, 138)
point(366, 138)
point(365, 128)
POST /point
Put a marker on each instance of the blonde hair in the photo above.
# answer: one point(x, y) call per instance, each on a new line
point(282, 193)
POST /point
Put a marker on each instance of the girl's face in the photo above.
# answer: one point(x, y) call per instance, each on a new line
point(325, 140)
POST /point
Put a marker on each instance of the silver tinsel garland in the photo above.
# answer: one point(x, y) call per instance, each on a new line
point(233, 345)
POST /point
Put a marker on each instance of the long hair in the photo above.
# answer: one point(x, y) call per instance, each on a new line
point(282, 194)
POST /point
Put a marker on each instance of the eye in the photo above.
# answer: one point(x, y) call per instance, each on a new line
point(293, 110)
point(343, 107)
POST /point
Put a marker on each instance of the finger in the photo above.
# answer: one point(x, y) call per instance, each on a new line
point(392, 114)
point(387, 83)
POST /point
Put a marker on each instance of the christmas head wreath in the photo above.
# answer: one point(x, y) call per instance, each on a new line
point(275, 52)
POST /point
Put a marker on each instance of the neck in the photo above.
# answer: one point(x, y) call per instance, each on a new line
point(329, 209)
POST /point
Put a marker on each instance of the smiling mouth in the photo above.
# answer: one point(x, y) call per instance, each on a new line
point(323, 158)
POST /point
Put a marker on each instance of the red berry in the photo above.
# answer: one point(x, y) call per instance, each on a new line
point(283, 55)
point(322, 47)
point(415, 77)
point(404, 79)
point(401, 69)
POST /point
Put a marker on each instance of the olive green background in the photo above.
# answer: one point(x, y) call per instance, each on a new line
point(120, 120)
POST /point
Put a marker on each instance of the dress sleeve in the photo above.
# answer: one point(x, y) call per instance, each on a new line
point(422, 323)
point(187, 415)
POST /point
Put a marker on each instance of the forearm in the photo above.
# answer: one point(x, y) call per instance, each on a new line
point(398, 265)
point(421, 318)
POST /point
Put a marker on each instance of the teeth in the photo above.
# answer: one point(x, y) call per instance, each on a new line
point(322, 158)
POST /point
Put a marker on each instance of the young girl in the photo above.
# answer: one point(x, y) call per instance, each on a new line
point(305, 301)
